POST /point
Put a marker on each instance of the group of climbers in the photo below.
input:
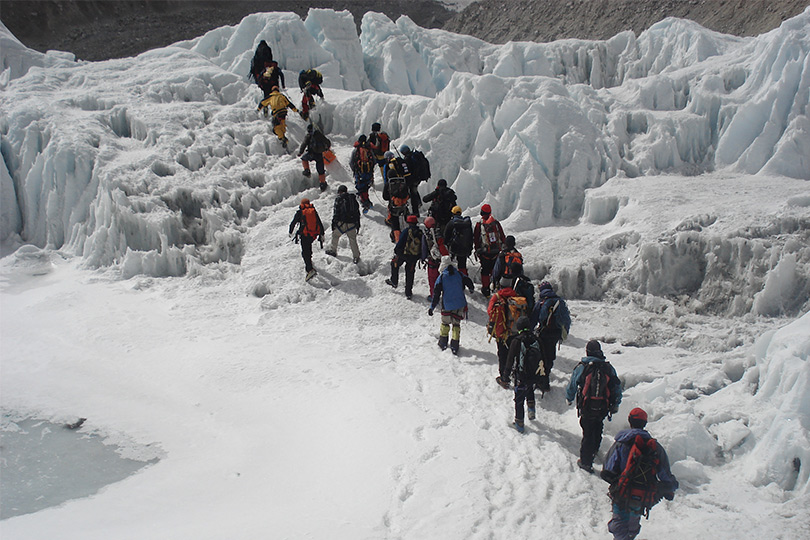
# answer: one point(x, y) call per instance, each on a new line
point(269, 76)
point(528, 328)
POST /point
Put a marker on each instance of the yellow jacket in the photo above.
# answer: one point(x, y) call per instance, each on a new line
point(277, 103)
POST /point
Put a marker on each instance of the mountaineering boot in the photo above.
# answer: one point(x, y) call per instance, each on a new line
point(356, 260)
point(307, 173)
point(330, 253)
point(503, 383)
point(454, 346)
point(519, 425)
point(323, 186)
point(389, 282)
point(443, 342)
point(584, 467)
point(311, 274)
point(485, 291)
point(322, 180)
point(531, 413)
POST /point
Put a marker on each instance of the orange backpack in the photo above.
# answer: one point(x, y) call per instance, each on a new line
point(309, 223)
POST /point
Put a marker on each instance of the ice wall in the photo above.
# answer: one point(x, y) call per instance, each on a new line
point(781, 432)
point(155, 163)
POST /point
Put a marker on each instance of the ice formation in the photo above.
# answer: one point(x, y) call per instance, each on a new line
point(155, 164)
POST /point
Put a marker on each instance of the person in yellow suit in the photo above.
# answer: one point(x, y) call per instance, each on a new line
point(278, 105)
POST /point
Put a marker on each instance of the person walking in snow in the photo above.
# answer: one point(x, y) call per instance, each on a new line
point(458, 237)
point(278, 105)
point(503, 311)
point(270, 77)
point(598, 392)
point(553, 321)
point(488, 240)
point(628, 454)
point(362, 165)
point(312, 148)
point(262, 59)
point(380, 143)
point(310, 227)
point(309, 81)
point(419, 168)
point(442, 200)
point(408, 251)
point(449, 288)
point(433, 252)
point(345, 220)
point(524, 363)
point(503, 264)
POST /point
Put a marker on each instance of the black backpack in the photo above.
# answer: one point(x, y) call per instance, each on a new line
point(593, 396)
point(461, 241)
point(263, 54)
point(420, 166)
point(530, 362)
point(320, 143)
point(445, 202)
point(346, 209)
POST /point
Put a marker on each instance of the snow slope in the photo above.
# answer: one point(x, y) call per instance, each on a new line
point(158, 295)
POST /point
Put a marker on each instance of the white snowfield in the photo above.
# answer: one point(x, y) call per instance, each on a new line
point(659, 181)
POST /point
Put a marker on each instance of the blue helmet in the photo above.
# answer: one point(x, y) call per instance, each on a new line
point(405, 149)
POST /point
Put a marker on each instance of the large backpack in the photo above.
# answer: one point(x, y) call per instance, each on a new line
point(593, 395)
point(509, 258)
point(490, 238)
point(345, 211)
point(309, 76)
point(558, 317)
point(530, 361)
point(397, 193)
point(320, 142)
point(263, 54)
point(461, 241)
point(637, 485)
point(309, 222)
point(413, 245)
point(420, 166)
point(504, 314)
point(365, 159)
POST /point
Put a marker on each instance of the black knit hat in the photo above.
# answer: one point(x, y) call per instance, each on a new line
point(594, 349)
point(522, 323)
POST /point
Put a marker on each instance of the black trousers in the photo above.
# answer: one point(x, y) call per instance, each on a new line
point(591, 438)
point(548, 350)
point(410, 270)
point(523, 392)
point(503, 353)
point(306, 251)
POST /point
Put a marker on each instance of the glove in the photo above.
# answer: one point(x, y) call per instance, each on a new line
point(669, 496)
point(471, 288)
point(395, 260)
point(296, 238)
point(430, 312)
point(614, 409)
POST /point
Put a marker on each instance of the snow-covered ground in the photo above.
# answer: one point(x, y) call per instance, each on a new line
point(149, 284)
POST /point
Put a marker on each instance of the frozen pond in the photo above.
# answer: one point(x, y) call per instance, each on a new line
point(44, 464)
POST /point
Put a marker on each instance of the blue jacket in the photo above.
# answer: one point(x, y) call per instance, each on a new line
point(615, 385)
point(450, 287)
point(545, 299)
point(617, 459)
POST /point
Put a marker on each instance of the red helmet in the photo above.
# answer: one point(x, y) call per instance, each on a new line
point(412, 219)
point(430, 222)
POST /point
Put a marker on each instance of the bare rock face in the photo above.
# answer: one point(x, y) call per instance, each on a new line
point(550, 20)
point(101, 29)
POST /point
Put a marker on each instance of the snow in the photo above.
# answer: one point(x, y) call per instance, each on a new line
point(149, 285)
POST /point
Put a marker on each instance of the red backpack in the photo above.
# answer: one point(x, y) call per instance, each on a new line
point(637, 485)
